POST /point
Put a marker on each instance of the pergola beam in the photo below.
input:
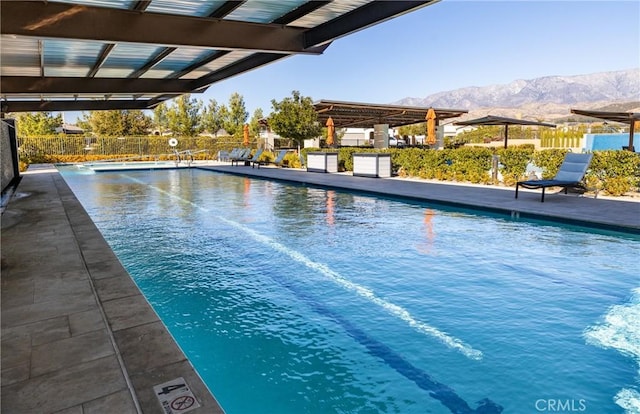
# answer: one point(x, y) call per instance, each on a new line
point(226, 8)
point(360, 18)
point(82, 105)
point(110, 25)
point(101, 86)
point(244, 65)
point(301, 11)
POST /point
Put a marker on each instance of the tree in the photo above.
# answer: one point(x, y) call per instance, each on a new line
point(136, 122)
point(212, 117)
point(295, 118)
point(413, 129)
point(184, 116)
point(160, 121)
point(254, 124)
point(236, 115)
point(108, 123)
point(83, 122)
point(118, 122)
point(38, 123)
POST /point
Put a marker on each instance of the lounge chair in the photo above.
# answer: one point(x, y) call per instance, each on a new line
point(234, 153)
point(249, 159)
point(241, 155)
point(278, 161)
point(570, 175)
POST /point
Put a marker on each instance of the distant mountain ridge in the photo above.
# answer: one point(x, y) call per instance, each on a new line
point(549, 96)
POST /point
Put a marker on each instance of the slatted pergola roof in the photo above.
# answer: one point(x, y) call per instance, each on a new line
point(365, 115)
point(503, 121)
point(73, 55)
point(629, 118)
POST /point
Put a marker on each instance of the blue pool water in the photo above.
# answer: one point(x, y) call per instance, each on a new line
point(291, 299)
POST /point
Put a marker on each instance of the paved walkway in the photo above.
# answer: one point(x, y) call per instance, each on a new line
point(77, 335)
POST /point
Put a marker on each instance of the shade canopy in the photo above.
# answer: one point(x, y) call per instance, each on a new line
point(134, 54)
point(629, 118)
point(366, 115)
point(499, 120)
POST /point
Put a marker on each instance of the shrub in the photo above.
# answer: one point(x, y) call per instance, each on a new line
point(408, 162)
point(513, 162)
point(471, 164)
point(549, 160)
point(616, 172)
point(616, 186)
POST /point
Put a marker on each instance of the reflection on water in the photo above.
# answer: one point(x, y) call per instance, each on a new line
point(427, 246)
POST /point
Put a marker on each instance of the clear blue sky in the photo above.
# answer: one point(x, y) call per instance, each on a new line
point(449, 45)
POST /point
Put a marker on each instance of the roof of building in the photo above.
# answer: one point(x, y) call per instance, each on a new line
point(75, 55)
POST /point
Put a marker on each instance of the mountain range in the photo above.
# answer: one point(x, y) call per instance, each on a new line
point(549, 97)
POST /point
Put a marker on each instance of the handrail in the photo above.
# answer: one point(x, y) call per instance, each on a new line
point(156, 157)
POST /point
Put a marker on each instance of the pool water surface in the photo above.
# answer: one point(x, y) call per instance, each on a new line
point(293, 299)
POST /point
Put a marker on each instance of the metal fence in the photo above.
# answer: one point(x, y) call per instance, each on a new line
point(79, 145)
point(560, 141)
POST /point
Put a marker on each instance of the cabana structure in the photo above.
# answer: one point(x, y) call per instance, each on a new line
point(629, 118)
point(379, 116)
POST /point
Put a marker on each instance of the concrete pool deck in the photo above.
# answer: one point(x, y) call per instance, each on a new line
point(78, 336)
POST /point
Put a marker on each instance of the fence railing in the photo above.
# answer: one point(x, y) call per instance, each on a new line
point(79, 145)
point(560, 142)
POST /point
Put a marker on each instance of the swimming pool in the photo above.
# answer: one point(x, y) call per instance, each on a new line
point(292, 299)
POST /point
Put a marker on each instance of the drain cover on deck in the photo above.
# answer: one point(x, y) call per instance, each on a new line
point(176, 397)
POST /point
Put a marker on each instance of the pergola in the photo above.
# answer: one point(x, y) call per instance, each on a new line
point(365, 115)
point(629, 118)
point(134, 54)
point(499, 120)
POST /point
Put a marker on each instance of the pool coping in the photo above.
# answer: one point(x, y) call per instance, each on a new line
point(77, 333)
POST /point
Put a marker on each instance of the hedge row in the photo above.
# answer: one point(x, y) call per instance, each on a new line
point(615, 172)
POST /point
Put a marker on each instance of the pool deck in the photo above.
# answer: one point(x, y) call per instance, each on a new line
point(77, 335)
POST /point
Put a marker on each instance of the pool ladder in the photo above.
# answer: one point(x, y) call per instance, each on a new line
point(186, 155)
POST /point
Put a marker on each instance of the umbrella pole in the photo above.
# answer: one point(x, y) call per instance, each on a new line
point(631, 128)
point(506, 135)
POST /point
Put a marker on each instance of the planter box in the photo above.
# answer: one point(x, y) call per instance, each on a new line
point(372, 165)
point(322, 162)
